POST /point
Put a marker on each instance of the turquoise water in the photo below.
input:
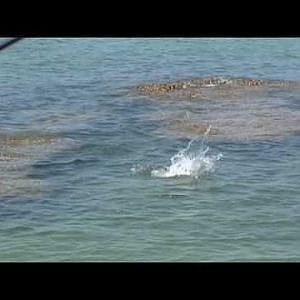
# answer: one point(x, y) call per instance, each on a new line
point(82, 186)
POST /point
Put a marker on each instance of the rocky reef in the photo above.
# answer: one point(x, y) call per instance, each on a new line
point(197, 88)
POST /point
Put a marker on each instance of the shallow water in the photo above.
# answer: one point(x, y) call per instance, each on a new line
point(72, 135)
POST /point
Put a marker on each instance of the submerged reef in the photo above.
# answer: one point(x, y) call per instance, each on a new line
point(234, 108)
point(22, 145)
point(20, 152)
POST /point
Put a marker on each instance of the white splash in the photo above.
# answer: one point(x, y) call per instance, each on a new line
point(190, 163)
point(209, 85)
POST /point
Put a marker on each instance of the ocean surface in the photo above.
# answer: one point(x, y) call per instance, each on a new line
point(91, 172)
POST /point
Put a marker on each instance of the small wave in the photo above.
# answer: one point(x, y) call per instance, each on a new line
point(185, 163)
point(141, 169)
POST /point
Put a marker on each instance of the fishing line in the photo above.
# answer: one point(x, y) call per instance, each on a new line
point(9, 43)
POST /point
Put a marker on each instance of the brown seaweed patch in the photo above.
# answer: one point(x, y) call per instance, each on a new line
point(247, 117)
point(10, 156)
point(200, 88)
point(19, 151)
point(192, 127)
point(26, 138)
point(251, 121)
point(179, 90)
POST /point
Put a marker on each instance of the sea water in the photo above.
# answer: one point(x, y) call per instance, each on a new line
point(89, 172)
